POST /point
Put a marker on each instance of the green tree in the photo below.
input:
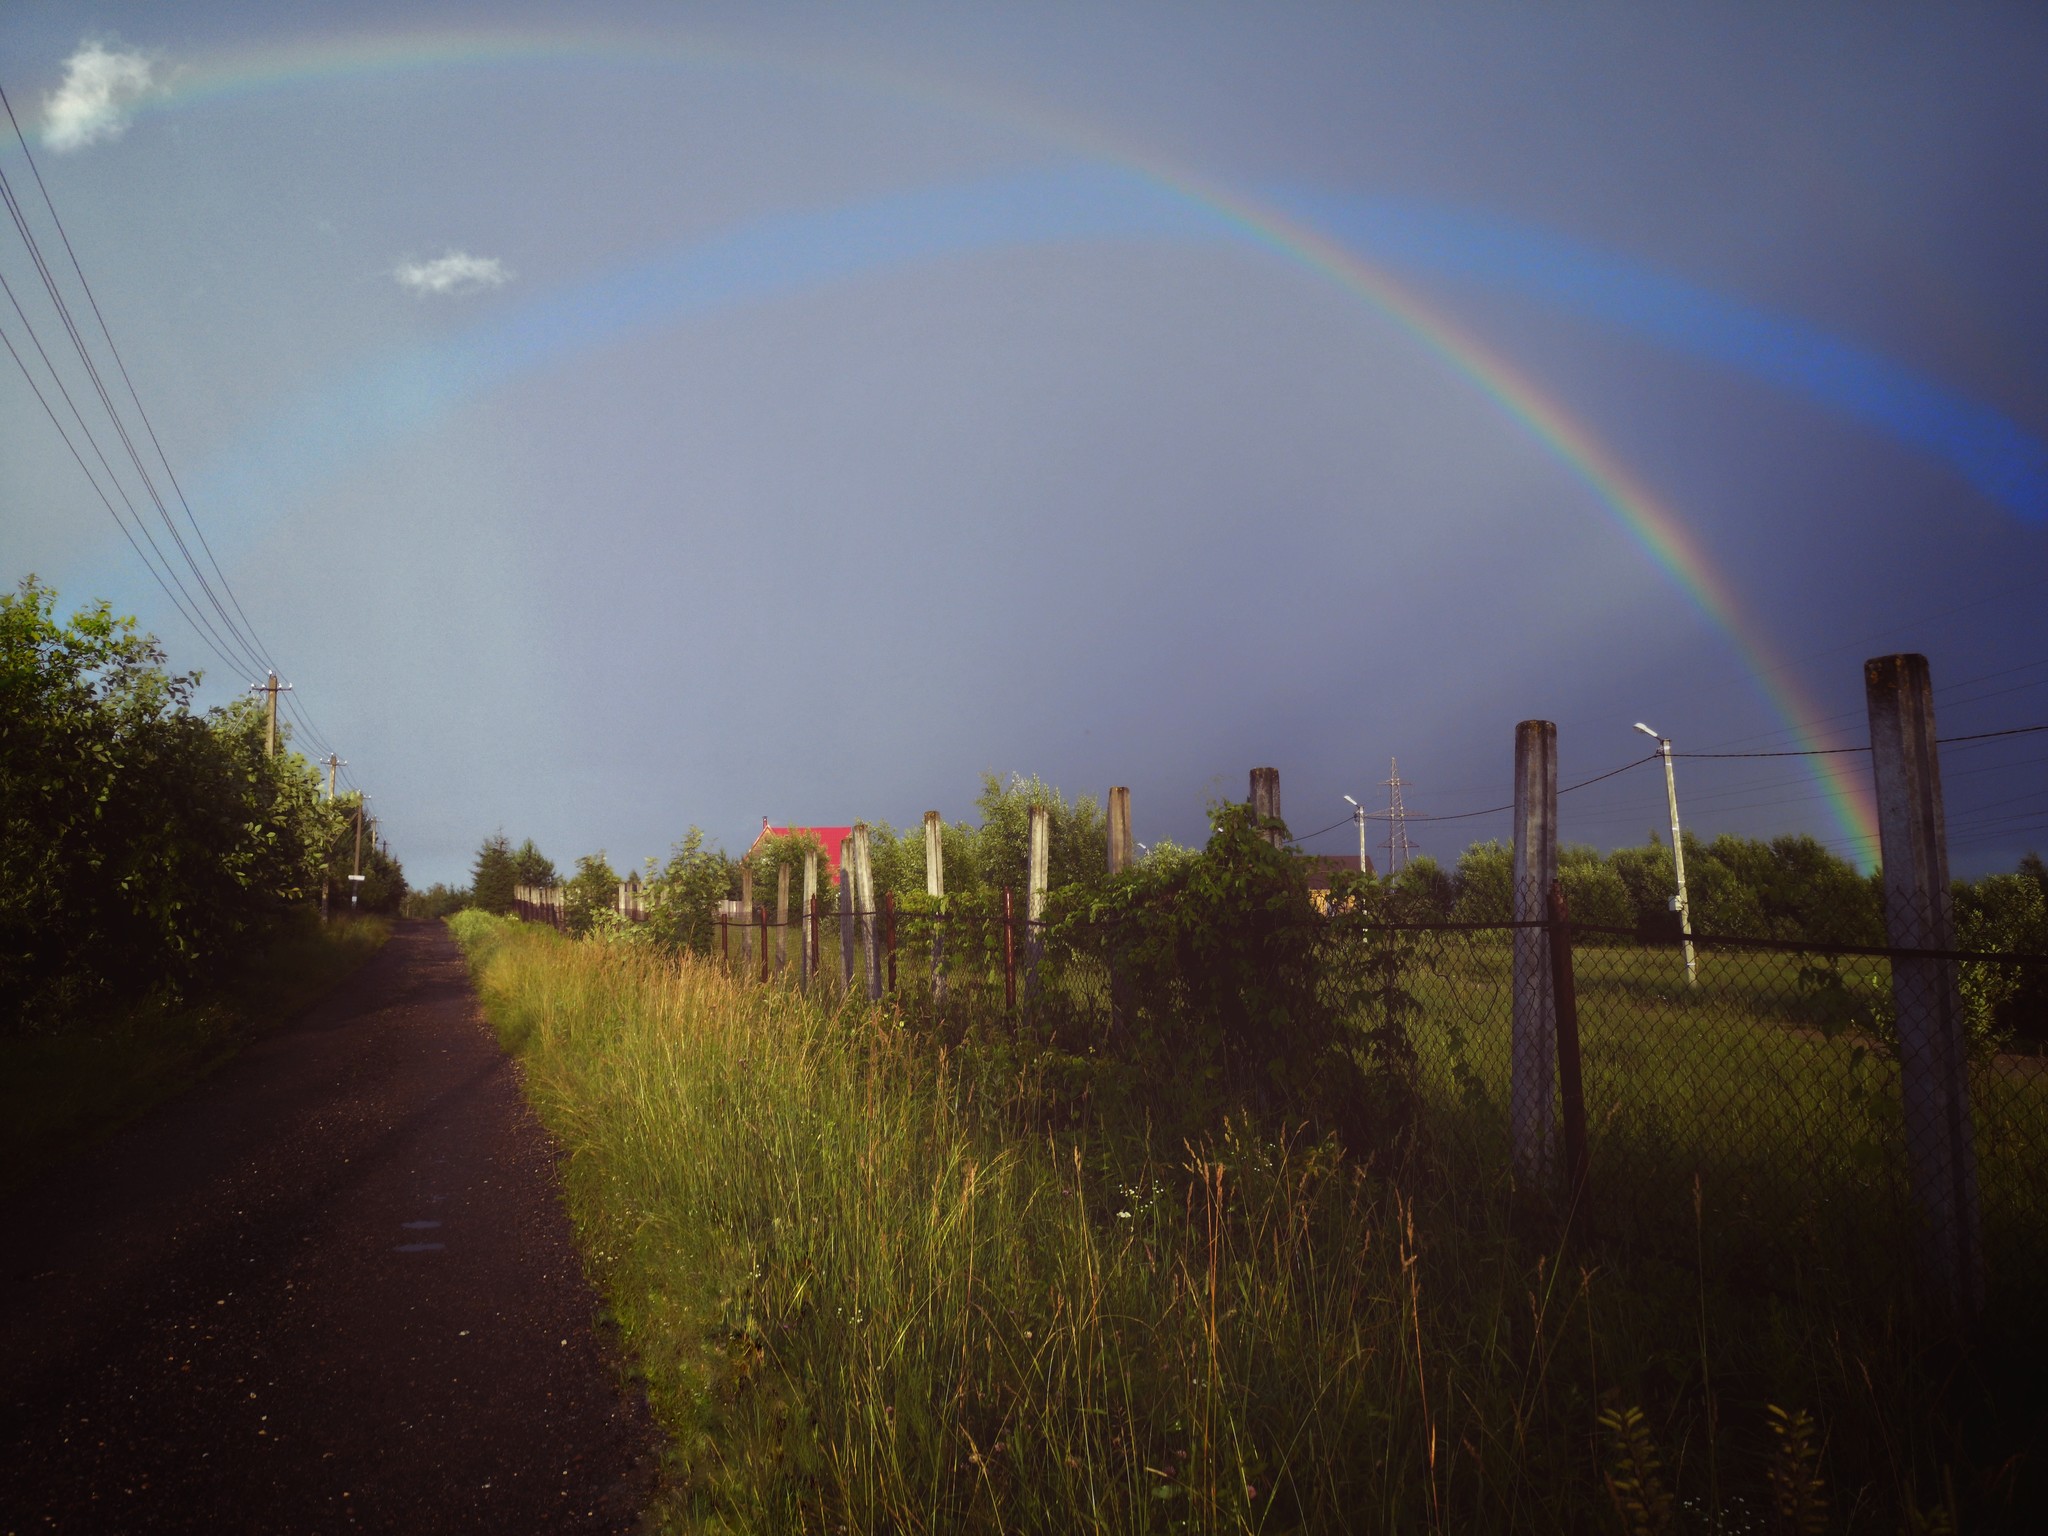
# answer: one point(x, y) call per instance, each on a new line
point(682, 896)
point(592, 890)
point(532, 867)
point(1077, 855)
point(143, 847)
point(494, 878)
point(1485, 884)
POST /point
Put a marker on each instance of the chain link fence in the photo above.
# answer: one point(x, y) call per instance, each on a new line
point(1747, 1104)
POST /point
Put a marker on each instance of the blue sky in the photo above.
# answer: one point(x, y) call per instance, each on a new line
point(613, 421)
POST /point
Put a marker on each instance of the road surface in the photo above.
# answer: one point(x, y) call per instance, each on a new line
point(332, 1288)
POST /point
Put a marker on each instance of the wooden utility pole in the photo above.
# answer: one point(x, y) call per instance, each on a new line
point(1119, 829)
point(333, 763)
point(1266, 802)
point(273, 687)
point(1919, 914)
point(1532, 1092)
point(935, 887)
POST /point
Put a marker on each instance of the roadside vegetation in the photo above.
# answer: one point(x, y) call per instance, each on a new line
point(160, 877)
point(947, 1269)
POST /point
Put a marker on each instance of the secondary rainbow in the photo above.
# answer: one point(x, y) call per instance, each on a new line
point(1648, 520)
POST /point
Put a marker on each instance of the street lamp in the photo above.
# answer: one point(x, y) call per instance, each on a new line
point(1358, 815)
point(1679, 904)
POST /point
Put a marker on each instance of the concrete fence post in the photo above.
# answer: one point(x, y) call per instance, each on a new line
point(781, 918)
point(1119, 829)
point(808, 947)
point(1934, 1080)
point(864, 894)
point(935, 887)
point(1532, 1091)
point(1034, 901)
point(1265, 801)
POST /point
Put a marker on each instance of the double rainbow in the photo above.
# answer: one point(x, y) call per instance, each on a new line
point(1648, 520)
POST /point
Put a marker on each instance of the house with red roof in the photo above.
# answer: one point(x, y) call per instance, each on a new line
point(833, 839)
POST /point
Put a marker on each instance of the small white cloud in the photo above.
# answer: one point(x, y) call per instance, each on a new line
point(100, 86)
point(457, 272)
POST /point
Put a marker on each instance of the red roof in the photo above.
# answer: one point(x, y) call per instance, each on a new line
point(834, 838)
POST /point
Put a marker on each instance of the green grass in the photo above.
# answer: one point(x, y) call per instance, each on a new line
point(64, 1090)
point(866, 1295)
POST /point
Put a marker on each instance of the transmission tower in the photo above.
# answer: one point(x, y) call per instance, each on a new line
point(1397, 845)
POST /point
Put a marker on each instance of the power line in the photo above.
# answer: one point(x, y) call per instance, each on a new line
point(233, 638)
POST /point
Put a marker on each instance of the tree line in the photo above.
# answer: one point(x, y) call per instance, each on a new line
point(1791, 888)
point(145, 847)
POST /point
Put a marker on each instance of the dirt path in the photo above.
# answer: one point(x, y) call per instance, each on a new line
point(332, 1288)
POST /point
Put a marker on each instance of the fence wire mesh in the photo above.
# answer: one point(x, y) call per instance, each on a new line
point(1767, 1106)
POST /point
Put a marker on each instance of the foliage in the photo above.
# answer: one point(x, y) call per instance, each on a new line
point(2003, 914)
point(1227, 999)
point(682, 896)
point(532, 867)
point(436, 901)
point(1486, 882)
point(143, 846)
point(1077, 852)
point(867, 1295)
point(592, 891)
point(788, 851)
point(493, 880)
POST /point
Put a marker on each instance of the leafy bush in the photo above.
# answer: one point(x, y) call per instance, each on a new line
point(1229, 990)
point(144, 847)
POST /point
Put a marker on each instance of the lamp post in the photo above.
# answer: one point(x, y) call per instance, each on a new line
point(1358, 815)
point(1679, 904)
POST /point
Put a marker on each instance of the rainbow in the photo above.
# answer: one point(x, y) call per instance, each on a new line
point(1648, 520)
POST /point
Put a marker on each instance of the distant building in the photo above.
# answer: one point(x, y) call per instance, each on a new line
point(1322, 867)
point(833, 839)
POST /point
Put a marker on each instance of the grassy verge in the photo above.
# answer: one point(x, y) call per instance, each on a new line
point(867, 1295)
point(62, 1091)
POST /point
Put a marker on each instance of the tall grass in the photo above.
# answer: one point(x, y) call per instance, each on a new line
point(867, 1296)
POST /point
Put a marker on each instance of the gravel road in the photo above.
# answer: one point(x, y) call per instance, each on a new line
point(332, 1288)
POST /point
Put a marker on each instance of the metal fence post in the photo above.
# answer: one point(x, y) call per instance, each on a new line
point(1934, 1082)
point(746, 906)
point(1533, 1046)
point(1571, 1090)
point(761, 923)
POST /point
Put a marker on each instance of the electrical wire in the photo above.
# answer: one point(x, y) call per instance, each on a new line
point(229, 633)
